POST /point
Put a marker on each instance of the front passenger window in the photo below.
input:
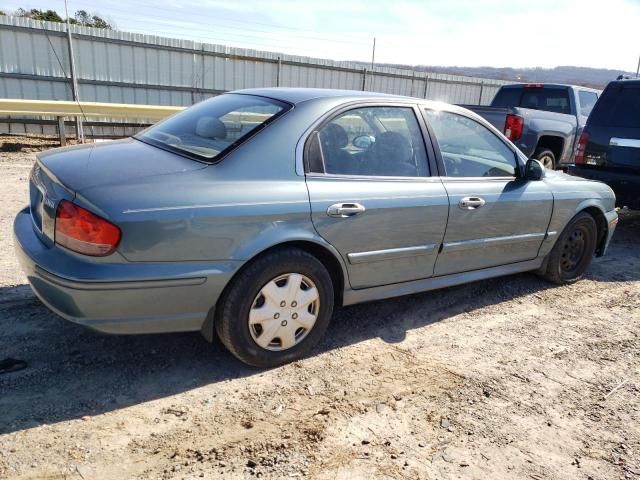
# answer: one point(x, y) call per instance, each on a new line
point(469, 149)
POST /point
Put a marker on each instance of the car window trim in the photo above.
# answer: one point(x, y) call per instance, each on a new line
point(302, 165)
point(370, 177)
point(441, 168)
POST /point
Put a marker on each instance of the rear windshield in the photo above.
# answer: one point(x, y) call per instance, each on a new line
point(507, 97)
point(619, 106)
point(210, 129)
point(547, 99)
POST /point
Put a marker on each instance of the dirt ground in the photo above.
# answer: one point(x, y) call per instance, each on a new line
point(511, 378)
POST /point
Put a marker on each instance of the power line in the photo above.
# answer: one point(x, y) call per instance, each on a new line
point(198, 18)
point(207, 33)
point(278, 30)
point(259, 44)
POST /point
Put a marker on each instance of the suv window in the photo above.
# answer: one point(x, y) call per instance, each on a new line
point(618, 107)
point(469, 149)
point(369, 141)
point(587, 102)
point(548, 99)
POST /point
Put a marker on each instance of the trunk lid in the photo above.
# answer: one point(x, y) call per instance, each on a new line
point(116, 162)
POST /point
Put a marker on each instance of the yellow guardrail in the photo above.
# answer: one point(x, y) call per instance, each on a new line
point(58, 108)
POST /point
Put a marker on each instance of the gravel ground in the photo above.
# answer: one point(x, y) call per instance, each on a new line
point(509, 378)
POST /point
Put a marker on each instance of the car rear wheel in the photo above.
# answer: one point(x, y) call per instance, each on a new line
point(572, 253)
point(276, 309)
point(546, 158)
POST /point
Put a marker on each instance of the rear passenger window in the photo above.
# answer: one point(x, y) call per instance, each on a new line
point(587, 102)
point(469, 149)
point(619, 106)
point(369, 141)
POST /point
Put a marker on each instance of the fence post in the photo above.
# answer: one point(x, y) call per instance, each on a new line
point(480, 96)
point(364, 78)
point(74, 83)
point(61, 132)
point(278, 72)
point(426, 85)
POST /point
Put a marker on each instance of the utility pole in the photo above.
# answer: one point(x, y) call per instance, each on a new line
point(373, 53)
point(373, 59)
point(74, 79)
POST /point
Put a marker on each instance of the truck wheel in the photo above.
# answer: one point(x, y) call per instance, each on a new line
point(572, 253)
point(546, 158)
point(276, 309)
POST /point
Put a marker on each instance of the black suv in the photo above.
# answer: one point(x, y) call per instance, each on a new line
point(609, 147)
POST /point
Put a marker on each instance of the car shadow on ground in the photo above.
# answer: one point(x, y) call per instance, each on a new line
point(73, 372)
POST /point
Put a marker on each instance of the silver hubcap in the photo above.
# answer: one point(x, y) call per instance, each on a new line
point(284, 312)
point(547, 162)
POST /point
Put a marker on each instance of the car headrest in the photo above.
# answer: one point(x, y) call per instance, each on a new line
point(210, 127)
point(333, 135)
point(393, 143)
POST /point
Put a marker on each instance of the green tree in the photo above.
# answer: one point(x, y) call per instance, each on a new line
point(100, 23)
point(46, 15)
point(84, 18)
point(81, 17)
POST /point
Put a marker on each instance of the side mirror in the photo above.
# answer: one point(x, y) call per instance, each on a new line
point(363, 141)
point(533, 170)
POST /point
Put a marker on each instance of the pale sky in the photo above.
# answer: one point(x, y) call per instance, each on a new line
point(497, 33)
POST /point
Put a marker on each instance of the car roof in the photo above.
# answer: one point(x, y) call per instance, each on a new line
point(298, 95)
point(626, 81)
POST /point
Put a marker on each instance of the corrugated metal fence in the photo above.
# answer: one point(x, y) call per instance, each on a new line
point(124, 67)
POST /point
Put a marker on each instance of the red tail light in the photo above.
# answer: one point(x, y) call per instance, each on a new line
point(513, 127)
point(84, 232)
point(581, 147)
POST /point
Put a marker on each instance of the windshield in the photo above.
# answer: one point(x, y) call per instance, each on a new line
point(210, 129)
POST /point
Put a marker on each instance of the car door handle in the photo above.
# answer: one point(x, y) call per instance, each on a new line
point(344, 210)
point(471, 203)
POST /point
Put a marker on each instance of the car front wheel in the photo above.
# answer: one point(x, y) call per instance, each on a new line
point(276, 309)
point(574, 250)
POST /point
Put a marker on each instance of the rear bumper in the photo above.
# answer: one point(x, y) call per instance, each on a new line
point(123, 298)
point(626, 186)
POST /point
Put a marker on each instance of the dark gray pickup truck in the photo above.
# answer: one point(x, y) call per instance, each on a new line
point(544, 120)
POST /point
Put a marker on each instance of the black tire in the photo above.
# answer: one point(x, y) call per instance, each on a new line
point(546, 158)
point(232, 314)
point(573, 252)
